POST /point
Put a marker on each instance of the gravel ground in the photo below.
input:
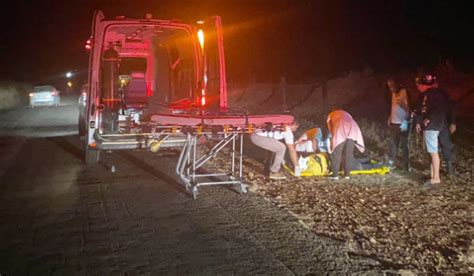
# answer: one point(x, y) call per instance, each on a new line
point(391, 218)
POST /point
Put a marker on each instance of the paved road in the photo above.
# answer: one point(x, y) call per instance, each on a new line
point(60, 217)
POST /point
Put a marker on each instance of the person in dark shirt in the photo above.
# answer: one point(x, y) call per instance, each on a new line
point(431, 118)
point(445, 134)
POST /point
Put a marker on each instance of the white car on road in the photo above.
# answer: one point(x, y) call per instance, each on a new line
point(45, 95)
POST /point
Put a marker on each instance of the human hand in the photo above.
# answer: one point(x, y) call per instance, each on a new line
point(297, 171)
point(452, 128)
point(418, 128)
point(388, 121)
point(426, 122)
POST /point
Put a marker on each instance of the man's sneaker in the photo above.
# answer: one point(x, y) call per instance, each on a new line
point(347, 177)
point(333, 177)
point(277, 175)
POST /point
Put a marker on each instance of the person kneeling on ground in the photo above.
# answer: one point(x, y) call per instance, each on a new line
point(269, 140)
point(345, 134)
point(312, 142)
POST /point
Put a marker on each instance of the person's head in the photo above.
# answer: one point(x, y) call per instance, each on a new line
point(294, 125)
point(425, 82)
point(393, 85)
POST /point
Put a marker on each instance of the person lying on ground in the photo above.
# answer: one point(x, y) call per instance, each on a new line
point(269, 140)
point(304, 146)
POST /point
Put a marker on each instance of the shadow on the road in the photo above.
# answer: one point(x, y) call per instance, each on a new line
point(66, 145)
point(153, 171)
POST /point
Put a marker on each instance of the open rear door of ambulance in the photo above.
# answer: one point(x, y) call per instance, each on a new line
point(214, 92)
point(91, 123)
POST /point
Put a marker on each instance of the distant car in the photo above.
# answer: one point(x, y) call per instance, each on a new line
point(45, 95)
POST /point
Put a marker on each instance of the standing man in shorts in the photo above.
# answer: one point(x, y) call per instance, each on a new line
point(431, 118)
point(445, 135)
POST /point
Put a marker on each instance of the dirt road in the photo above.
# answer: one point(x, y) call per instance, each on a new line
point(41, 121)
point(61, 217)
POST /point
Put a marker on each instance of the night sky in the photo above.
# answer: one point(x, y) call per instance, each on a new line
point(265, 39)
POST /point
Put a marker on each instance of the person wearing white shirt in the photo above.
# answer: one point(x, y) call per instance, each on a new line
point(269, 140)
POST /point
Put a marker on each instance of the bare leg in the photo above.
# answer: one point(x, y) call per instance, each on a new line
point(435, 163)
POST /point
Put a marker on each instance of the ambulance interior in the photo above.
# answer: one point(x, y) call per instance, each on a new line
point(156, 65)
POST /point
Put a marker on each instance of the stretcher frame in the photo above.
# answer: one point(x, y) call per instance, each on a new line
point(192, 158)
point(185, 131)
point(190, 162)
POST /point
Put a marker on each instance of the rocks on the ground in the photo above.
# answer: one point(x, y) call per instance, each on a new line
point(388, 217)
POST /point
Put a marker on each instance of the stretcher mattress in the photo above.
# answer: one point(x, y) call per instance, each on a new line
point(221, 120)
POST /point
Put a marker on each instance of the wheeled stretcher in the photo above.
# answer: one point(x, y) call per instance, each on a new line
point(225, 130)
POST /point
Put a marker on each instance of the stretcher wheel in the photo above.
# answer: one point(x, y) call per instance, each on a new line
point(187, 185)
point(195, 192)
point(241, 188)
